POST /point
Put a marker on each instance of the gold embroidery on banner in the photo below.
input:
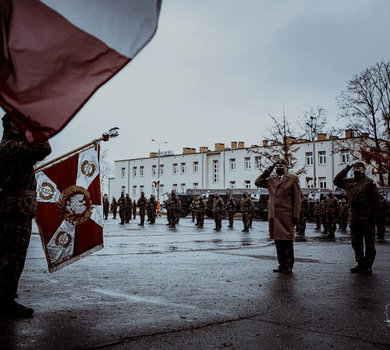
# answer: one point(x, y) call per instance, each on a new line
point(63, 239)
point(75, 205)
point(88, 168)
point(47, 191)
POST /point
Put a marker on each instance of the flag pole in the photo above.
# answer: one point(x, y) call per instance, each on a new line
point(105, 137)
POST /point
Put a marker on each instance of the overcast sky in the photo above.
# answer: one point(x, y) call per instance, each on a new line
point(215, 70)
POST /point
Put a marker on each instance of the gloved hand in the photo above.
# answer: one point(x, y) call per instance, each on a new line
point(295, 221)
point(348, 168)
point(271, 168)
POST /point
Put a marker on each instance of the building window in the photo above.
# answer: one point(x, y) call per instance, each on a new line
point(161, 169)
point(322, 157)
point(195, 185)
point(232, 164)
point(183, 168)
point(161, 189)
point(215, 171)
point(310, 183)
point(247, 184)
point(232, 184)
point(309, 158)
point(141, 188)
point(174, 169)
point(135, 171)
point(196, 167)
point(154, 170)
point(134, 190)
point(345, 156)
point(123, 172)
point(183, 188)
point(322, 182)
point(174, 187)
point(247, 163)
point(141, 171)
point(123, 189)
point(257, 162)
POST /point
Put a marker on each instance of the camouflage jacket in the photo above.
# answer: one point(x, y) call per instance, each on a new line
point(142, 202)
point(17, 176)
point(231, 206)
point(331, 205)
point(218, 204)
point(363, 195)
point(245, 204)
point(304, 205)
point(114, 204)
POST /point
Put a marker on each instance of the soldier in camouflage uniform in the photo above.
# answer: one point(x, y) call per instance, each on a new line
point(231, 209)
point(331, 209)
point(141, 204)
point(323, 214)
point(193, 210)
point(245, 206)
point(152, 208)
point(18, 206)
point(304, 211)
point(113, 207)
point(317, 213)
point(122, 208)
point(363, 198)
point(127, 208)
point(172, 205)
point(106, 206)
point(200, 211)
point(218, 206)
point(380, 217)
point(343, 215)
point(134, 209)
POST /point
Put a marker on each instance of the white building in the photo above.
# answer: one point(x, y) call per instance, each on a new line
point(234, 167)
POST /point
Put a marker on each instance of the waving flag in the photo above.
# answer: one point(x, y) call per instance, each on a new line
point(70, 214)
point(56, 54)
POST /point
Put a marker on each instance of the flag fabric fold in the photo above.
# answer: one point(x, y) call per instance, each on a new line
point(70, 213)
point(56, 54)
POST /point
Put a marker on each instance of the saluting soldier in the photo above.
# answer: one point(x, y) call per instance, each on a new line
point(331, 209)
point(304, 211)
point(317, 213)
point(114, 206)
point(231, 209)
point(218, 206)
point(106, 206)
point(200, 211)
point(141, 204)
point(122, 208)
point(245, 207)
point(363, 198)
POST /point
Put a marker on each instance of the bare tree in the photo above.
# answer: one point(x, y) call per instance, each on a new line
point(365, 105)
point(312, 122)
point(280, 144)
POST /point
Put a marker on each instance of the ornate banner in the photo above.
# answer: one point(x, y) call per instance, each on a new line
point(70, 213)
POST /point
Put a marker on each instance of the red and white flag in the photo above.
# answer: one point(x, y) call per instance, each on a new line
point(57, 53)
point(70, 213)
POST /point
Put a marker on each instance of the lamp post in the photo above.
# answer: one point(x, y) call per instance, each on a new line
point(158, 168)
point(313, 136)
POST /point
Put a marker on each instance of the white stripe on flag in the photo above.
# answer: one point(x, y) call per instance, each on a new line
point(97, 214)
point(88, 168)
point(45, 188)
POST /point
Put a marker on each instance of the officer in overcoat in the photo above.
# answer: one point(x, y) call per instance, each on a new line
point(363, 198)
point(284, 207)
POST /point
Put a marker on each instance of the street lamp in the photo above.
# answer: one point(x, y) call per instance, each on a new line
point(158, 168)
point(313, 136)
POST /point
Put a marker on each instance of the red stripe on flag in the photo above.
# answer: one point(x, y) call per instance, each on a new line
point(88, 235)
point(48, 220)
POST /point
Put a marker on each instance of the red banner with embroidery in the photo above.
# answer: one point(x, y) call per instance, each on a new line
point(70, 213)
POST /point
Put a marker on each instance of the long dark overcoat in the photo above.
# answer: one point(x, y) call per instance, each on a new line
point(284, 203)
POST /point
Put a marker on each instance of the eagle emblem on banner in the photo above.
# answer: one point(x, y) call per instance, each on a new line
point(70, 213)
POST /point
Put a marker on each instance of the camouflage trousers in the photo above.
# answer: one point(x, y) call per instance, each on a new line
point(331, 222)
point(231, 218)
point(14, 241)
point(318, 221)
point(218, 220)
point(142, 214)
point(122, 214)
point(245, 219)
point(363, 230)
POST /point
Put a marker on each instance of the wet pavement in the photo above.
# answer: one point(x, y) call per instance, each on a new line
point(155, 287)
